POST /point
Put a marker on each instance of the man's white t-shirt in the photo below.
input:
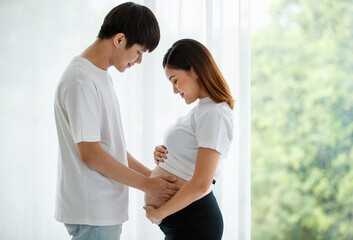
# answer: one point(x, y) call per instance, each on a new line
point(208, 125)
point(87, 110)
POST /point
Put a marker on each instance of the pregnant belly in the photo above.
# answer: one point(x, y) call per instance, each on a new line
point(157, 172)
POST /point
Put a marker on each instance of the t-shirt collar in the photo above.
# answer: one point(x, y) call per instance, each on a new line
point(205, 100)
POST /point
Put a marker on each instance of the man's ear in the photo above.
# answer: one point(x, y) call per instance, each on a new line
point(118, 39)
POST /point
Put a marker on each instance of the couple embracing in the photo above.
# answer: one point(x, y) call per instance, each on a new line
point(94, 167)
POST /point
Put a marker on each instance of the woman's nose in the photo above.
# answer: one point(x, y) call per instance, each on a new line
point(175, 89)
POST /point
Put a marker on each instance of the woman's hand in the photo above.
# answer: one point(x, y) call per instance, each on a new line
point(160, 154)
point(153, 214)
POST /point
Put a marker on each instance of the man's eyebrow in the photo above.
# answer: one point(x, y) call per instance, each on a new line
point(170, 78)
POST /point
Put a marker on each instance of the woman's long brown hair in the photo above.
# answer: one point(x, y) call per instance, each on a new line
point(188, 53)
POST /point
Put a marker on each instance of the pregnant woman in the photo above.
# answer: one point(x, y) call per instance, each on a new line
point(194, 145)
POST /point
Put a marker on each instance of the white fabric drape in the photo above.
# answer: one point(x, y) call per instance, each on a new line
point(41, 37)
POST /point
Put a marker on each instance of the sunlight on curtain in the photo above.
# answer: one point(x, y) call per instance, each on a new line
point(41, 37)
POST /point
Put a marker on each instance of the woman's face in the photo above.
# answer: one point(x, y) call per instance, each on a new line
point(185, 83)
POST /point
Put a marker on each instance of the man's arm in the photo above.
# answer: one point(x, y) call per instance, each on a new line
point(94, 156)
point(137, 166)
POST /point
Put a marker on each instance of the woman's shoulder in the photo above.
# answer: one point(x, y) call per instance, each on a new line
point(214, 111)
point(214, 108)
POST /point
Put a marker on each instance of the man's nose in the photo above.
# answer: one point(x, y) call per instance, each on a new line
point(139, 59)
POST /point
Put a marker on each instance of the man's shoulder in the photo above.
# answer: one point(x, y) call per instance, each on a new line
point(77, 67)
point(75, 73)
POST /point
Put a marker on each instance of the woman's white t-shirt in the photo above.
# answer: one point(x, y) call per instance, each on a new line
point(87, 110)
point(208, 125)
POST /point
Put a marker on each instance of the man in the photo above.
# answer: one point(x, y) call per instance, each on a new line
point(94, 168)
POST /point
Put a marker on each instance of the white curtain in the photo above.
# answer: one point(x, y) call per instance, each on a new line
point(39, 38)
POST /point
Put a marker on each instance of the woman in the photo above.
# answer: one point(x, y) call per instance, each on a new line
point(193, 145)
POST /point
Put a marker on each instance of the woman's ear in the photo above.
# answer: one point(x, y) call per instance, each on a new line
point(193, 74)
point(118, 39)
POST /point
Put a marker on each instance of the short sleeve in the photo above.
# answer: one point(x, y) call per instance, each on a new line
point(214, 129)
point(82, 106)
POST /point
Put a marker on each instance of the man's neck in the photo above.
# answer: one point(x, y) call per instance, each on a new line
point(98, 54)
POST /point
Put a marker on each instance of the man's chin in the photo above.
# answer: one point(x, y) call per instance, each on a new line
point(120, 69)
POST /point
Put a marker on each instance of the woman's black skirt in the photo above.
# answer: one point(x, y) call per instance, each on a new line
point(200, 220)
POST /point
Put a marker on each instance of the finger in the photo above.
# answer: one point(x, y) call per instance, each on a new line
point(173, 187)
point(157, 156)
point(162, 149)
point(147, 207)
point(169, 178)
point(167, 197)
point(171, 192)
point(158, 159)
point(159, 149)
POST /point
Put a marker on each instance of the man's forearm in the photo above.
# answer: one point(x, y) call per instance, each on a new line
point(137, 166)
point(94, 156)
point(108, 166)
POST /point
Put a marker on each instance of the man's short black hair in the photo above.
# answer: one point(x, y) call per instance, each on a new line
point(137, 22)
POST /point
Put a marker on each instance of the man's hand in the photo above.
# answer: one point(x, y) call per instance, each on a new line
point(162, 187)
point(159, 154)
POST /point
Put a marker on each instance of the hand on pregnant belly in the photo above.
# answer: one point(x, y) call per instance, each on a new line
point(153, 204)
point(159, 154)
point(156, 202)
point(162, 187)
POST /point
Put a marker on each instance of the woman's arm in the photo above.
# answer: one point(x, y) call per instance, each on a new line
point(206, 165)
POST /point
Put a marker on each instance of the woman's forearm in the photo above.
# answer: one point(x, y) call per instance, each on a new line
point(190, 192)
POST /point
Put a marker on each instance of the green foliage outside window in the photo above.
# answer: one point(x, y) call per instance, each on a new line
point(302, 122)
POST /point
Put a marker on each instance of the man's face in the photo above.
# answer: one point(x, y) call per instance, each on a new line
point(125, 58)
